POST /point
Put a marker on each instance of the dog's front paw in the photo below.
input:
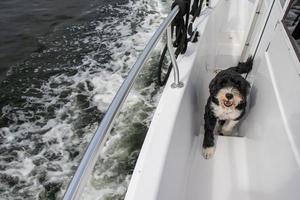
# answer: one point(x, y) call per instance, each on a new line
point(226, 132)
point(208, 152)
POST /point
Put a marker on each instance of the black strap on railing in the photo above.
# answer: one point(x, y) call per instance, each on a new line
point(182, 28)
point(195, 12)
point(180, 25)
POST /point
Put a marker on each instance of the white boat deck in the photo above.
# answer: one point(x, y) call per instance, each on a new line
point(264, 164)
point(235, 173)
point(225, 174)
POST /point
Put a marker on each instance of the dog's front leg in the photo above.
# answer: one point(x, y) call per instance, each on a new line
point(209, 126)
point(228, 127)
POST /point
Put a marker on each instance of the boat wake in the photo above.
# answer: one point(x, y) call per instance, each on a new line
point(51, 104)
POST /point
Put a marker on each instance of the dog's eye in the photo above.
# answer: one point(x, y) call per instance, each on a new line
point(241, 105)
point(215, 100)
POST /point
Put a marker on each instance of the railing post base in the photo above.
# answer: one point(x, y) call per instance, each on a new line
point(178, 85)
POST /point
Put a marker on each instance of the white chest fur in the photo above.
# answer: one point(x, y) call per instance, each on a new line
point(225, 113)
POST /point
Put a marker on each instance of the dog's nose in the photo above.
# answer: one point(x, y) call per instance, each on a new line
point(229, 96)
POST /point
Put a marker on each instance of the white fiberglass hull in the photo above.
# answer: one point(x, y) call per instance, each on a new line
point(263, 164)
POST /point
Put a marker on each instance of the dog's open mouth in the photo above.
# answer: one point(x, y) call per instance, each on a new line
point(228, 103)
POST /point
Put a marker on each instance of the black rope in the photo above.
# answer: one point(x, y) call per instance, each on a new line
point(180, 25)
point(196, 10)
point(182, 28)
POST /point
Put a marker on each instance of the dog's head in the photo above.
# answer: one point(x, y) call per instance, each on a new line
point(229, 90)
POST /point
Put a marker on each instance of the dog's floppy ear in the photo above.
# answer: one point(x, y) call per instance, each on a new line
point(212, 86)
point(242, 85)
point(246, 87)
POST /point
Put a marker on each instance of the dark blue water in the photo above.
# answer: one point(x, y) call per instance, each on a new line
point(23, 22)
point(61, 65)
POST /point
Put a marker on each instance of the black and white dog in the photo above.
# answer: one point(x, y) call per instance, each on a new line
point(226, 103)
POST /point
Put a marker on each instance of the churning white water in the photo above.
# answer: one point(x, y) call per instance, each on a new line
point(52, 103)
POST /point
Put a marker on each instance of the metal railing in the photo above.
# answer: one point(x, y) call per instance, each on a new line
point(90, 157)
